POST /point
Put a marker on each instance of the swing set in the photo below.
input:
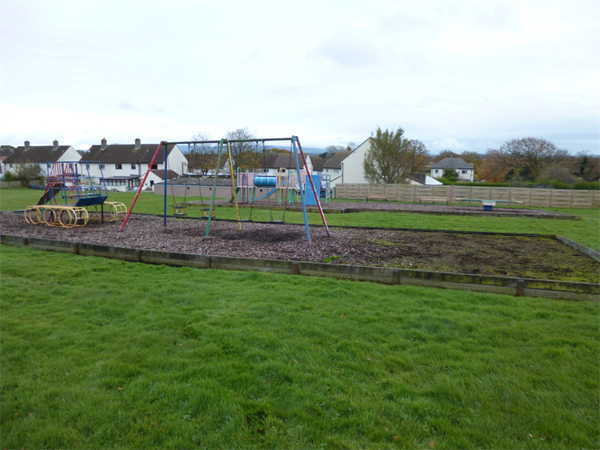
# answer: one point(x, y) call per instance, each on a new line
point(282, 183)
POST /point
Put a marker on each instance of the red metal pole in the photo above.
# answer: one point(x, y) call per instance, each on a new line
point(313, 186)
point(142, 185)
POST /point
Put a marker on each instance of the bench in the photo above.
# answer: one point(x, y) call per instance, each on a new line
point(427, 198)
point(376, 197)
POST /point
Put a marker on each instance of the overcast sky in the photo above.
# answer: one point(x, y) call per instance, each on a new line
point(455, 75)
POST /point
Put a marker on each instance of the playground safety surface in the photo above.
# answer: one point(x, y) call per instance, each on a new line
point(484, 254)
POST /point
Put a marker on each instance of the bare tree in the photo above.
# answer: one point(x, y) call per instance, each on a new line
point(242, 153)
point(202, 156)
point(530, 155)
point(391, 157)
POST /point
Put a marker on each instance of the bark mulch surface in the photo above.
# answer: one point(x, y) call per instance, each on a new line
point(528, 257)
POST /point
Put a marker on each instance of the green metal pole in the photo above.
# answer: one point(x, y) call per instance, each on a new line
point(212, 198)
point(237, 211)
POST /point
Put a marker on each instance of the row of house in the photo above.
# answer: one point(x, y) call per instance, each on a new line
point(123, 166)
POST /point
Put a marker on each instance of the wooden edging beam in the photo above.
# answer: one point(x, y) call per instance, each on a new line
point(481, 283)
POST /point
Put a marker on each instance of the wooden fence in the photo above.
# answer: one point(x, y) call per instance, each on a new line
point(558, 198)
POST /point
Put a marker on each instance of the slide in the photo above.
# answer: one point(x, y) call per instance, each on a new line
point(270, 193)
point(46, 197)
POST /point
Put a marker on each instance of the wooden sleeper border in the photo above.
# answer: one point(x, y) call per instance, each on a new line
point(482, 283)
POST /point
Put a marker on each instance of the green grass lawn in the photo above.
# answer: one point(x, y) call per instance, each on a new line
point(585, 231)
point(99, 353)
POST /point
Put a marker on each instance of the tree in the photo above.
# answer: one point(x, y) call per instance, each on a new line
point(391, 157)
point(422, 159)
point(202, 157)
point(493, 169)
point(445, 154)
point(450, 174)
point(25, 172)
point(587, 166)
point(242, 153)
point(532, 153)
point(557, 173)
point(331, 150)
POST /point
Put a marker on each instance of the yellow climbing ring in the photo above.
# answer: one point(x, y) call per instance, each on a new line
point(56, 215)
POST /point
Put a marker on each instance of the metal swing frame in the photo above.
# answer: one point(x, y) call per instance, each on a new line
point(297, 148)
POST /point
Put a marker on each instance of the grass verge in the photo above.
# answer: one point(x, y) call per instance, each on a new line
point(99, 353)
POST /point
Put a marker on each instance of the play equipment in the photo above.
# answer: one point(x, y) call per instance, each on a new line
point(83, 199)
point(488, 205)
point(244, 193)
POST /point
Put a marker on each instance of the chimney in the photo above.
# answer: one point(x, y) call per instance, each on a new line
point(55, 145)
point(103, 146)
point(26, 145)
point(138, 144)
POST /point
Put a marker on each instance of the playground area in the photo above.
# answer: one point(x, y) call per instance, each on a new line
point(485, 254)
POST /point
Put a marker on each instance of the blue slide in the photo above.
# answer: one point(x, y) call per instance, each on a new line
point(272, 192)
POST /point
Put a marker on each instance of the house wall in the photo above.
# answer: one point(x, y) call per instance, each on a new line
point(463, 174)
point(550, 198)
point(352, 166)
point(176, 162)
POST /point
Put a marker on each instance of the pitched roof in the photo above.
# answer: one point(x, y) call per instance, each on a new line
point(161, 173)
point(279, 160)
point(6, 150)
point(126, 153)
point(335, 160)
point(37, 154)
point(452, 163)
point(417, 177)
point(318, 164)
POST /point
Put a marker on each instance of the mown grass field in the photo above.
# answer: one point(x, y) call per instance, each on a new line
point(99, 354)
point(585, 231)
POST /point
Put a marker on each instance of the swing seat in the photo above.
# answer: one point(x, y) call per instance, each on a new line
point(277, 221)
point(245, 220)
point(179, 211)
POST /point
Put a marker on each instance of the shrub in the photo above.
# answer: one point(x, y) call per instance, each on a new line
point(27, 172)
point(9, 176)
point(588, 185)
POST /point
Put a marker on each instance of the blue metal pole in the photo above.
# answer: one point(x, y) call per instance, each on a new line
point(294, 138)
point(166, 185)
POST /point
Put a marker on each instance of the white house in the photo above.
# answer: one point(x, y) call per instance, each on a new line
point(40, 155)
point(124, 165)
point(466, 171)
point(335, 167)
point(347, 167)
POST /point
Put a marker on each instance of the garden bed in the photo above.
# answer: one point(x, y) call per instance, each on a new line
point(482, 254)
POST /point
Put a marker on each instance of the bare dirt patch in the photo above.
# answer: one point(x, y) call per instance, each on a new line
point(515, 256)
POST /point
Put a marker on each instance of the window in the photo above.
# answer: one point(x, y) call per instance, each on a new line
point(464, 171)
point(103, 166)
point(133, 166)
point(336, 170)
point(154, 166)
point(118, 166)
point(10, 165)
